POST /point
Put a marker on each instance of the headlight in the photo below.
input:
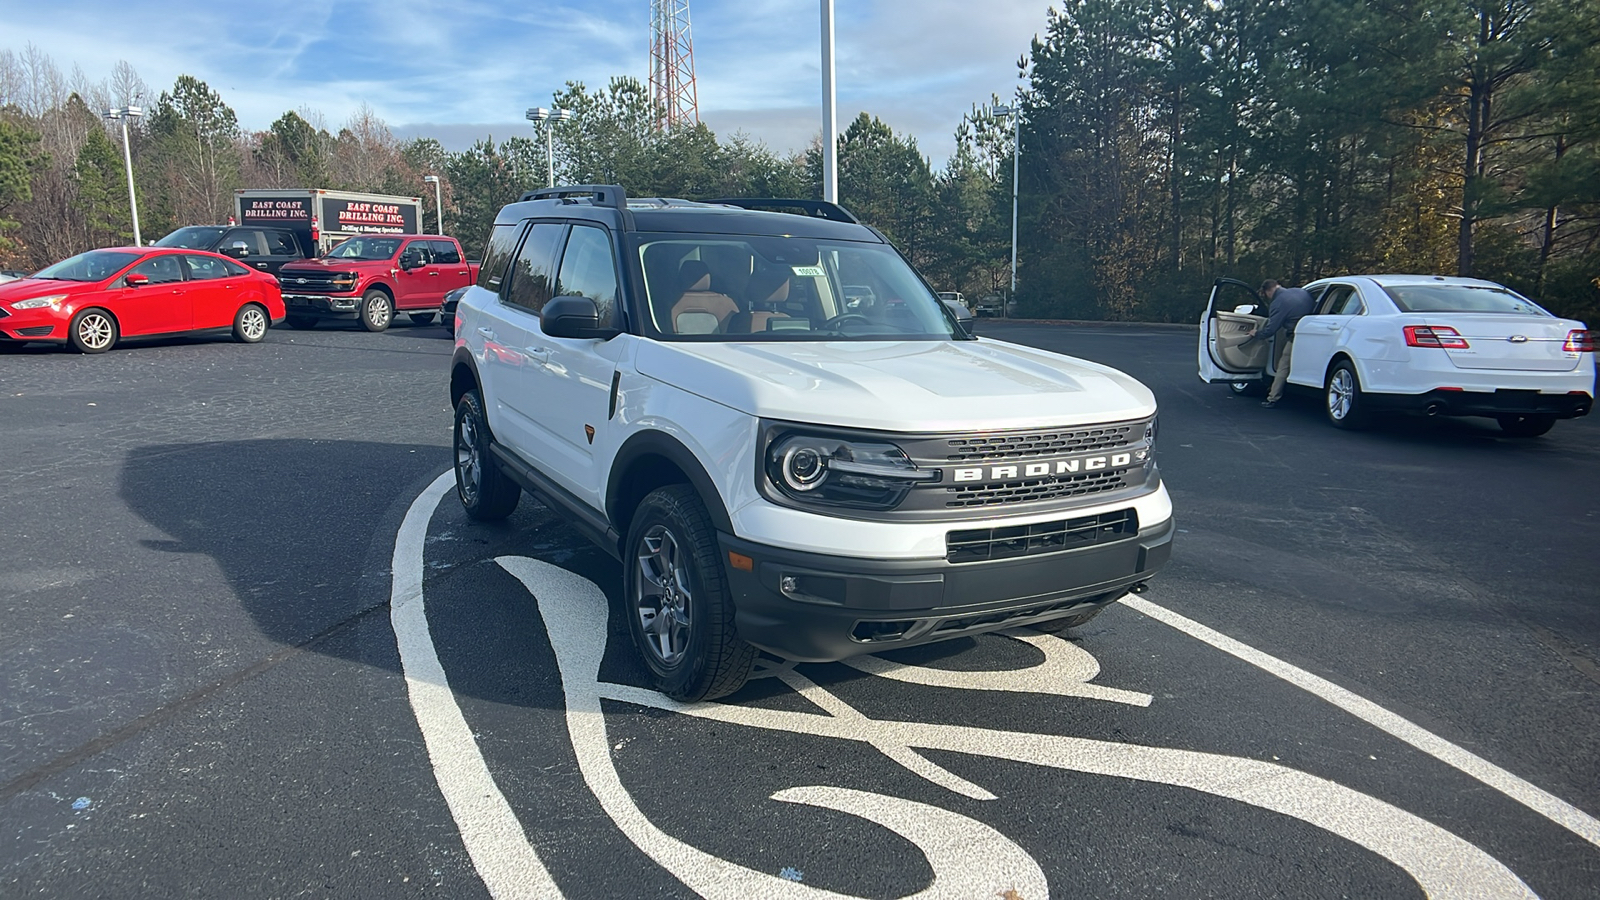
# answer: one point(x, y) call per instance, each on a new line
point(839, 472)
point(1148, 453)
point(38, 302)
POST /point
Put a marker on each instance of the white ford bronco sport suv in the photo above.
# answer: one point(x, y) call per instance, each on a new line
point(779, 463)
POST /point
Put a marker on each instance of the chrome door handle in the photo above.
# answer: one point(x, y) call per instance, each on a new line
point(537, 354)
point(488, 333)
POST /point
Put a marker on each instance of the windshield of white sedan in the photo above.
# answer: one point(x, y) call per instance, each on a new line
point(721, 287)
point(365, 248)
point(92, 266)
point(1460, 298)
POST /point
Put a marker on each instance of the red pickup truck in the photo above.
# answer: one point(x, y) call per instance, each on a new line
point(371, 277)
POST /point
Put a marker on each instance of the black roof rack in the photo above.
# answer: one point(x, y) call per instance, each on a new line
point(817, 209)
point(611, 195)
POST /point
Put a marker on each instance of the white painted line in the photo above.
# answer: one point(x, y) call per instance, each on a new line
point(507, 863)
point(1540, 801)
point(969, 859)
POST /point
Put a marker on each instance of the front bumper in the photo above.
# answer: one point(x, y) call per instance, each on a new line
point(810, 607)
point(1485, 403)
point(322, 306)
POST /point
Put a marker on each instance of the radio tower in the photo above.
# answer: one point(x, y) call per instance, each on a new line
point(672, 65)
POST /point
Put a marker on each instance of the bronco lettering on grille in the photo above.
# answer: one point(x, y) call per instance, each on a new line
point(1044, 469)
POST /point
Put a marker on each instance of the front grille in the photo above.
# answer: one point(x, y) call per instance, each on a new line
point(1047, 442)
point(1010, 541)
point(35, 331)
point(1029, 490)
point(314, 282)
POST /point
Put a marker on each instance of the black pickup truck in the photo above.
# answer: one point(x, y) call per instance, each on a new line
point(259, 247)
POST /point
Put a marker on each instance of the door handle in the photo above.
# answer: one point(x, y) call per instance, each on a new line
point(1331, 326)
point(434, 274)
point(261, 265)
point(537, 354)
point(487, 332)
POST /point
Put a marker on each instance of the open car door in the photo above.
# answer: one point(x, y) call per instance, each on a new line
point(1223, 331)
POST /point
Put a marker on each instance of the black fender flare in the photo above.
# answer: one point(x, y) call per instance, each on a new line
point(663, 445)
point(463, 358)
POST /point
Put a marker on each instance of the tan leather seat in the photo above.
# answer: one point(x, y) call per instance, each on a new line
point(699, 309)
point(768, 287)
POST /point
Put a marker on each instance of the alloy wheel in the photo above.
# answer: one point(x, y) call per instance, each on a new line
point(94, 330)
point(1341, 394)
point(662, 598)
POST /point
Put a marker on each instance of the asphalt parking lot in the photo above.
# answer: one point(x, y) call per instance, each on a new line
point(251, 647)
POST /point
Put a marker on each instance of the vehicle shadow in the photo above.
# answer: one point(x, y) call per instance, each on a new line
point(304, 532)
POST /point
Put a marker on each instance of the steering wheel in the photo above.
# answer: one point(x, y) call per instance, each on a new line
point(842, 318)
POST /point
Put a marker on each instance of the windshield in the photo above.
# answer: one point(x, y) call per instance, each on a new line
point(194, 237)
point(721, 287)
point(96, 265)
point(1460, 298)
point(365, 248)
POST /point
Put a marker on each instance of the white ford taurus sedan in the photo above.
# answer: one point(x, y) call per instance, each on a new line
point(1412, 343)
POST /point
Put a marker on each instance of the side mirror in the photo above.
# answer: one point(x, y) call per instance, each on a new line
point(410, 260)
point(137, 280)
point(1245, 309)
point(237, 250)
point(574, 317)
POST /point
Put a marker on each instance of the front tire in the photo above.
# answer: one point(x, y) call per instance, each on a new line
point(92, 331)
point(680, 610)
point(377, 310)
point(1255, 387)
point(485, 492)
point(250, 324)
point(1344, 404)
point(1531, 425)
point(421, 318)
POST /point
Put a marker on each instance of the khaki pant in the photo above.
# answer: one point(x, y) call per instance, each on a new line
point(1282, 376)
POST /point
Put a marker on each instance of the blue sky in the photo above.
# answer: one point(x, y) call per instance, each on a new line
point(462, 70)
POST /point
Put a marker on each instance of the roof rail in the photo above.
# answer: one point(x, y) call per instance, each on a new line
point(611, 195)
point(817, 209)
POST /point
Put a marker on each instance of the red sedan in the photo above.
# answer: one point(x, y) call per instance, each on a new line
point(95, 299)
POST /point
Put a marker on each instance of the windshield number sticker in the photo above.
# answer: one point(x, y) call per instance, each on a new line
point(808, 271)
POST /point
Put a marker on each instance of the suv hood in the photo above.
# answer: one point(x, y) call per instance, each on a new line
point(904, 386)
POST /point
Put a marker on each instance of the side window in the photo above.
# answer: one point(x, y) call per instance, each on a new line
point(502, 243)
point(159, 269)
point(234, 269)
point(589, 269)
point(528, 283)
point(1352, 305)
point(249, 237)
point(421, 251)
point(1334, 299)
point(280, 243)
point(445, 253)
point(205, 268)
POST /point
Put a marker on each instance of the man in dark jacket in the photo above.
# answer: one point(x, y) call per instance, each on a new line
point(1288, 305)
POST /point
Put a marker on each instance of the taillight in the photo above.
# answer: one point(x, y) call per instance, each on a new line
point(316, 232)
point(1442, 336)
point(1580, 341)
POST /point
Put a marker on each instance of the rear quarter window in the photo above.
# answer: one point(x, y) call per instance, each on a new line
point(502, 241)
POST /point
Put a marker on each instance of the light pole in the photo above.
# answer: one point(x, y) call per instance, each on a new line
point(1015, 115)
point(123, 114)
point(830, 113)
point(438, 200)
point(548, 118)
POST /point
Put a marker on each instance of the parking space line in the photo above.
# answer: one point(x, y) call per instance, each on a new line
point(500, 851)
point(1540, 801)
